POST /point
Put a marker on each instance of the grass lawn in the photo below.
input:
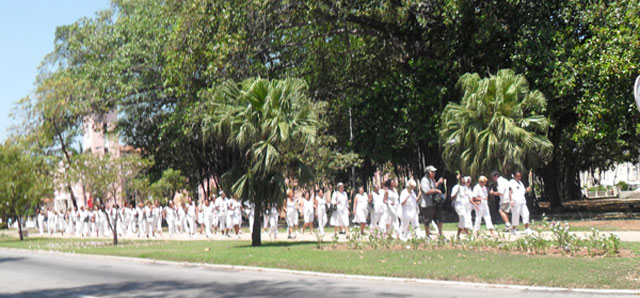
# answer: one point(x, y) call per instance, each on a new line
point(446, 264)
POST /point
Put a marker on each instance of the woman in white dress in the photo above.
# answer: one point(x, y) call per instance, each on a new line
point(480, 197)
point(40, 217)
point(274, 215)
point(157, 218)
point(461, 195)
point(377, 196)
point(200, 211)
point(321, 210)
point(237, 214)
point(51, 221)
point(191, 217)
point(392, 201)
point(207, 214)
point(408, 201)
point(361, 209)
point(170, 215)
point(141, 220)
point(308, 212)
point(292, 214)
point(340, 217)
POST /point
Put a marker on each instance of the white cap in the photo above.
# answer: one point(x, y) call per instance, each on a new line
point(430, 168)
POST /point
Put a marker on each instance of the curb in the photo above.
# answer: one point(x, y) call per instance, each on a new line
point(342, 276)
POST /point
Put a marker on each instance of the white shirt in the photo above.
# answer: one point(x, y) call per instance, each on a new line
point(410, 205)
point(393, 201)
point(171, 213)
point(191, 209)
point(363, 201)
point(503, 189)
point(480, 192)
point(378, 201)
point(221, 206)
point(518, 191)
point(340, 200)
point(207, 210)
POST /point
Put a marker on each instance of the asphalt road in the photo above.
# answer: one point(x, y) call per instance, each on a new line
point(43, 274)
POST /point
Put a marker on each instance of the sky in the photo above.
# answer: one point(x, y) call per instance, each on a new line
point(27, 29)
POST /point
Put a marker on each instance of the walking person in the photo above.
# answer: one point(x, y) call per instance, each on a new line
point(361, 209)
point(340, 217)
point(409, 204)
point(191, 217)
point(430, 209)
point(170, 215)
point(502, 185)
point(274, 215)
point(51, 221)
point(141, 220)
point(236, 213)
point(377, 196)
point(221, 208)
point(40, 219)
point(460, 195)
point(207, 214)
point(308, 211)
point(321, 211)
point(292, 215)
point(519, 204)
point(156, 213)
point(481, 197)
point(392, 201)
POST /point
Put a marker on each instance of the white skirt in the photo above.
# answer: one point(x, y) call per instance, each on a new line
point(361, 215)
point(292, 218)
point(340, 218)
point(309, 215)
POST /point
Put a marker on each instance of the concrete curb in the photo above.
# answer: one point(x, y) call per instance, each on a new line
point(343, 276)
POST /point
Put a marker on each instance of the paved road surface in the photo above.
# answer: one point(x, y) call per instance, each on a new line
point(42, 274)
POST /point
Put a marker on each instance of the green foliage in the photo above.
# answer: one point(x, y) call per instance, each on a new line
point(270, 123)
point(166, 187)
point(26, 180)
point(499, 124)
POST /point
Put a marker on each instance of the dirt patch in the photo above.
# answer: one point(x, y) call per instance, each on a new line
point(612, 225)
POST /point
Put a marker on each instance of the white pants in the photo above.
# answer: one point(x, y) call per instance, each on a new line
point(79, 227)
point(519, 209)
point(41, 226)
point(207, 224)
point(172, 227)
point(410, 219)
point(141, 228)
point(251, 219)
point(483, 213)
point(273, 224)
point(464, 218)
point(222, 221)
point(51, 226)
point(375, 220)
point(192, 224)
point(322, 219)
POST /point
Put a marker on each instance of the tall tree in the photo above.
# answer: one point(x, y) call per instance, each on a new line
point(270, 124)
point(498, 125)
point(26, 180)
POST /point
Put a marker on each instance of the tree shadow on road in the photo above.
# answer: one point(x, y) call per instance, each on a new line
point(170, 288)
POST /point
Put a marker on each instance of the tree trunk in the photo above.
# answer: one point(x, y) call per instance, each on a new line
point(257, 226)
point(20, 228)
point(115, 231)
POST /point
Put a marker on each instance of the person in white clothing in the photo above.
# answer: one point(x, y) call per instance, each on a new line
point(191, 217)
point(81, 222)
point(148, 216)
point(181, 223)
point(377, 196)
point(157, 218)
point(250, 211)
point(170, 215)
point(236, 209)
point(321, 211)
point(207, 214)
point(40, 218)
point(392, 201)
point(408, 201)
point(340, 217)
point(141, 220)
point(292, 214)
point(481, 197)
point(461, 195)
point(519, 203)
point(274, 215)
point(221, 209)
point(50, 221)
point(361, 209)
point(230, 215)
point(308, 212)
point(505, 198)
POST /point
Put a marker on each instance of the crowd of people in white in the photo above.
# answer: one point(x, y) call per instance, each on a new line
point(383, 210)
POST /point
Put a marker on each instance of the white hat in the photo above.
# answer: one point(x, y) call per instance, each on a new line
point(430, 168)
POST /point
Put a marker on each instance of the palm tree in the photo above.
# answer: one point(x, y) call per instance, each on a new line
point(270, 125)
point(499, 124)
